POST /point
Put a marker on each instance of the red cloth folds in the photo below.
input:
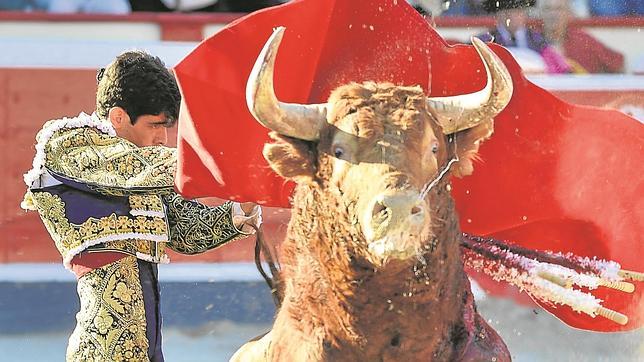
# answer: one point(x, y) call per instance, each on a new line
point(554, 176)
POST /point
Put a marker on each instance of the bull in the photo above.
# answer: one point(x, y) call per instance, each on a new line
point(371, 263)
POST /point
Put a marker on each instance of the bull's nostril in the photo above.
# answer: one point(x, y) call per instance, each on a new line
point(378, 208)
point(416, 210)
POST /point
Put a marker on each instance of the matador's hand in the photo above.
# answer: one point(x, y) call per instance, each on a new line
point(248, 207)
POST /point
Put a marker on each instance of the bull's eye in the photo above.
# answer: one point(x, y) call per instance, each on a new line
point(338, 151)
point(435, 147)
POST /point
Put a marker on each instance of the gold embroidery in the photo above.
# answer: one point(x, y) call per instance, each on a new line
point(146, 203)
point(52, 212)
point(143, 249)
point(110, 165)
point(111, 322)
point(123, 293)
point(71, 239)
point(196, 228)
point(118, 191)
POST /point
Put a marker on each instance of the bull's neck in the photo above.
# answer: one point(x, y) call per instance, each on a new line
point(413, 306)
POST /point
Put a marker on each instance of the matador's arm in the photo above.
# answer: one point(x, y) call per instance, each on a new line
point(196, 228)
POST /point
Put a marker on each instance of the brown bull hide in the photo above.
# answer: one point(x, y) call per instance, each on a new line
point(370, 270)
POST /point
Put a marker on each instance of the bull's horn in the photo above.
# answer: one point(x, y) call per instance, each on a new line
point(293, 120)
point(460, 112)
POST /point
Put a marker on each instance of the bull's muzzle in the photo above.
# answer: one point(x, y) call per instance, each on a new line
point(393, 223)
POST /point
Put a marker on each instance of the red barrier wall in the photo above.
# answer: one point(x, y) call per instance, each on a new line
point(29, 97)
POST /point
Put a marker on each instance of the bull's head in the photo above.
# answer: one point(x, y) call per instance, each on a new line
point(378, 146)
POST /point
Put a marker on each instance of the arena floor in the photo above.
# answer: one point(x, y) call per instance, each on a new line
point(531, 333)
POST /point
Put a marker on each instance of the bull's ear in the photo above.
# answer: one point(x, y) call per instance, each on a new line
point(467, 146)
point(291, 158)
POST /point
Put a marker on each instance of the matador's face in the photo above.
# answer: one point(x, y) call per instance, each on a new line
point(148, 130)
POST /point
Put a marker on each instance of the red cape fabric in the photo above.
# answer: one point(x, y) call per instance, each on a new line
point(554, 176)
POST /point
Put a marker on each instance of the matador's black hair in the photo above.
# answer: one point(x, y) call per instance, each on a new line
point(140, 84)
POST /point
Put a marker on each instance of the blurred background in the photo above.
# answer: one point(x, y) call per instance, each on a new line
point(587, 52)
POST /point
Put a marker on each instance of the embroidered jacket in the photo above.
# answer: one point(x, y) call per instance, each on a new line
point(95, 191)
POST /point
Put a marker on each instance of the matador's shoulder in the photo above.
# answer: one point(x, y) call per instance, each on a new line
point(85, 152)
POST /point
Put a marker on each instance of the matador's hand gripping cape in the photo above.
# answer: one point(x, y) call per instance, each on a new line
point(554, 176)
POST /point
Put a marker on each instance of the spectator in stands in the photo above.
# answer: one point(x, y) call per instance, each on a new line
point(465, 8)
point(68, 6)
point(450, 7)
point(23, 5)
point(580, 8)
point(89, 6)
point(582, 51)
point(616, 7)
point(513, 32)
point(235, 6)
point(173, 5)
point(430, 10)
point(246, 6)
